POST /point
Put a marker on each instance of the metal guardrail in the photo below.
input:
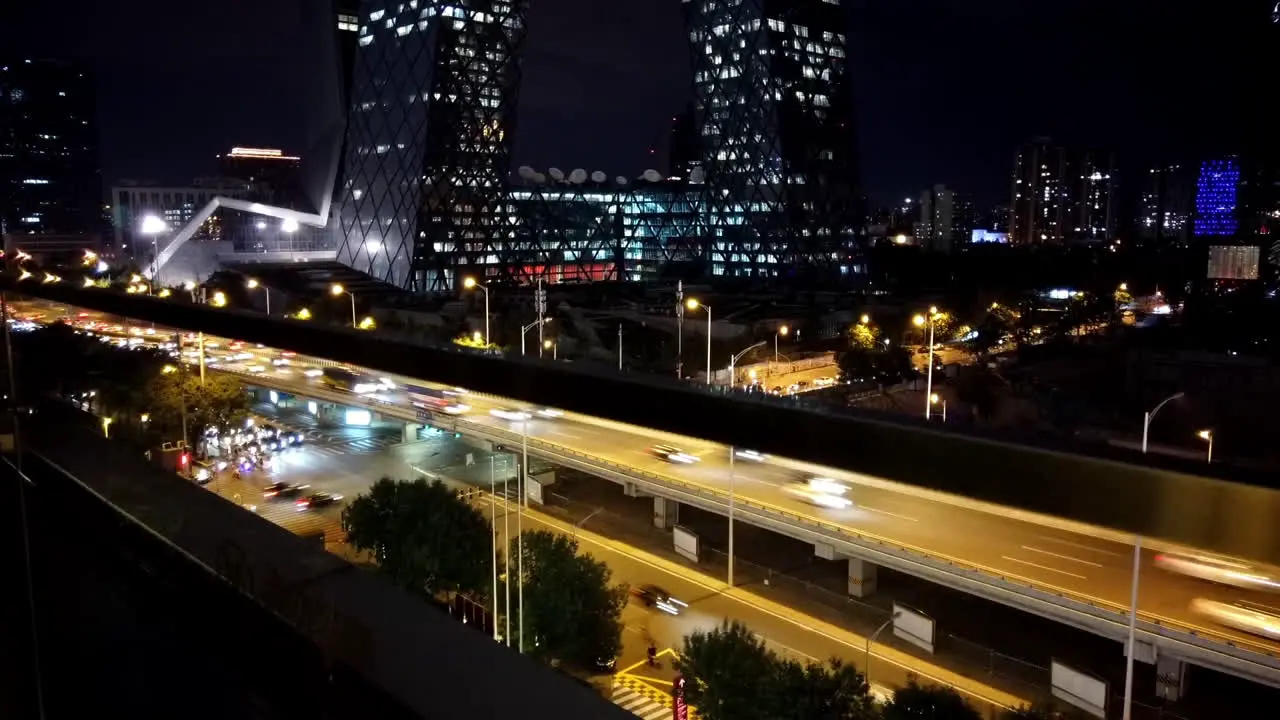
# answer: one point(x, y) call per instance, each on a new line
point(1202, 647)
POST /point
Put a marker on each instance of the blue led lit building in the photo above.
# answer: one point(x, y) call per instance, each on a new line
point(1217, 193)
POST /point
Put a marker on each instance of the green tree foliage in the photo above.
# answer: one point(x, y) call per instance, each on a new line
point(571, 612)
point(928, 702)
point(864, 336)
point(426, 539)
point(728, 673)
point(834, 691)
point(220, 400)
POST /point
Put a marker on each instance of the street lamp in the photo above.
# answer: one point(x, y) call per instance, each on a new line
point(865, 319)
point(289, 225)
point(471, 283)
point(153, 226)
point(337, 290)
point(1147, 417)
point(525, 331)
point(693, 304)
point(1207, 436)
point(782, 331)
point(219, 299)
point(866, 670)
point(919, 321)
point(733, 361)
point(253, 284)
point(553, 347)
point(303, 314)
point(934, 400)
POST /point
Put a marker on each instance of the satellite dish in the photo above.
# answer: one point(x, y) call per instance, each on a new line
point(697, 175)
point(539, 178)
point(620, 180)
point(525, 172)
point(598, 177)
point(556, 174)
point(652, 176)
point(578, 176)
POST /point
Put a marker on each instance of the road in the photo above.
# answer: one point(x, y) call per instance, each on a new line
point(1066, 559)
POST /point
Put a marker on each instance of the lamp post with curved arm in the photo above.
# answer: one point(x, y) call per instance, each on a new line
point(693, 304)
point(1147, 417)
point(733, 362)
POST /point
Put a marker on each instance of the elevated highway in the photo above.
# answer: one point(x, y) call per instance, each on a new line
point(1075, 573)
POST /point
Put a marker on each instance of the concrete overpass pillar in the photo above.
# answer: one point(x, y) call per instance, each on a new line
point(862, 578)
point(411, 432)
point(666, 513)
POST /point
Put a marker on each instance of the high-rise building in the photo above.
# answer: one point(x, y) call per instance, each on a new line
point(964, 219)
point(132, 201)
point(1091, 199)
point(272, 175)
point(429, 132)
point(683, 152)
point(1038, 211)
point(1217, 194)
point(50, 182)
point(1164, 210)
point(774, 112)
point(935, 230)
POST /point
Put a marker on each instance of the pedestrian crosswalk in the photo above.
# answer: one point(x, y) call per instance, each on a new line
point(355, 446)
point(639, 699)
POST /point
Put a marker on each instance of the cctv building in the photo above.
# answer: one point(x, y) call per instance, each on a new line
point(427, 197)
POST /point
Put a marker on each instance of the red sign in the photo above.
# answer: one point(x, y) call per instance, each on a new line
point(679, 709)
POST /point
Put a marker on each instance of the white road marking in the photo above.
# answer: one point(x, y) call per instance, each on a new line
point(1043, 567)
point(1062, 557)
point(890, 514)
point(565, 434)
point(1082, 546)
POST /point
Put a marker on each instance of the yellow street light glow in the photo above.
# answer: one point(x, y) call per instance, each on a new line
point(1124, 287)
point(865, 319)
point(784, 330)
point(469, 283)
point(251, 284)
point(88, 282)
point(933, 309)
point(1205, 434)
point(692, 303)
point(547, 344)
point(135, 278)
point(51, 278)
point(367, 323)
point(167, 369)
point(219, 299)
point(24, 275)
point(164, 293)
point(934, 398)
point(336, 289)
point(918, 321)
point(189, 285)
point(477, 336)
point(146, 417)
point(303, 314)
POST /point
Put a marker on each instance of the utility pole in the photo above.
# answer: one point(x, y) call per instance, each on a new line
point(679, 329)
point(540, 304)
point(619, 347)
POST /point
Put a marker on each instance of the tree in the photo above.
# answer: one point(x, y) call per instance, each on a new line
point(425, 538)
point(218, 400)
point(864, 336)
point(729, 673)
point(928, 702)
point(834, 691)
point(571, 612)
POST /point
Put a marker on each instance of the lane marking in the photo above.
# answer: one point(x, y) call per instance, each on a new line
point(886, 512)
point(565, 434)
point(1043, 567)
point(1081, 546)
point(1063, 557)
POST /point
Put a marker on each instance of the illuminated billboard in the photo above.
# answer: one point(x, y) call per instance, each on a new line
point(1233, 262)
point(988, 236)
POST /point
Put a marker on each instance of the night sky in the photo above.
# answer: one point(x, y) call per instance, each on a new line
point(946, 90)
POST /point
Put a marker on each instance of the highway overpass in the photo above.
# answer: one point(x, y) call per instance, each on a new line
point(1073, 573)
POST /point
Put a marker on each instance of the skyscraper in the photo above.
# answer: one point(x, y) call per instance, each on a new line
point(774, 112)
point(1217, 191)
point(1092, 197)
point(49, 177)
point(1040, 198)
point(431, 121)
point(1165, 204)
point(935, 231)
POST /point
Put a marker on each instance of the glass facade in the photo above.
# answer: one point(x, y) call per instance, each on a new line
point(432, 116)
point(1216, 193)
point(773, 110)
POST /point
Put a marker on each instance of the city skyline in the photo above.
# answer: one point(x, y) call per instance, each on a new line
point(632, 75)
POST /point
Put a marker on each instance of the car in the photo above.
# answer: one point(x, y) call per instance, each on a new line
point(752, 455)
point(549, 413)
point(655, 597)
point(828, 485)
point(510, 414)
point(673, 454)
point(806, 492)
point(1261, 620)
point(283, 490)
point(317, 500)
point(1222, 570)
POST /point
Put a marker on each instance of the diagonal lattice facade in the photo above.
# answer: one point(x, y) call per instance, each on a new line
point(773, 108)
point(430, 127)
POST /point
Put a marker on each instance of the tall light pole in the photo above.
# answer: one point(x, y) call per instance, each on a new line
point(619, 347)
point(1133, 628)
point(470, 283)
point(337, 290)
point(780, 331)
point(152, 226)
point(919, 321)
point(1147, 417)
point(1207, 436)
point(693, 304)
point(525, 331)
point(733, 363)
point(520, 505)
point(540, 303)
point(732, 493)
point(493, 538)
point(679, 329)
point(253, 284)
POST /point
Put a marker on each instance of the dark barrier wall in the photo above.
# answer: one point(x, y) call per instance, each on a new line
point(1161, 499)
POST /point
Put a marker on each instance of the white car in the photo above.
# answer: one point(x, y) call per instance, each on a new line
point(1252, 618)
point(550, 413)
point(1226, 571)
point(752, 455)
point(806, 492)
point(673, 454)
point(828, 486)
point(509, 414)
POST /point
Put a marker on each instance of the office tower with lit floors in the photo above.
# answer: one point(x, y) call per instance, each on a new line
point(773, 106)
point(423, 201)
point(1040, 198)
